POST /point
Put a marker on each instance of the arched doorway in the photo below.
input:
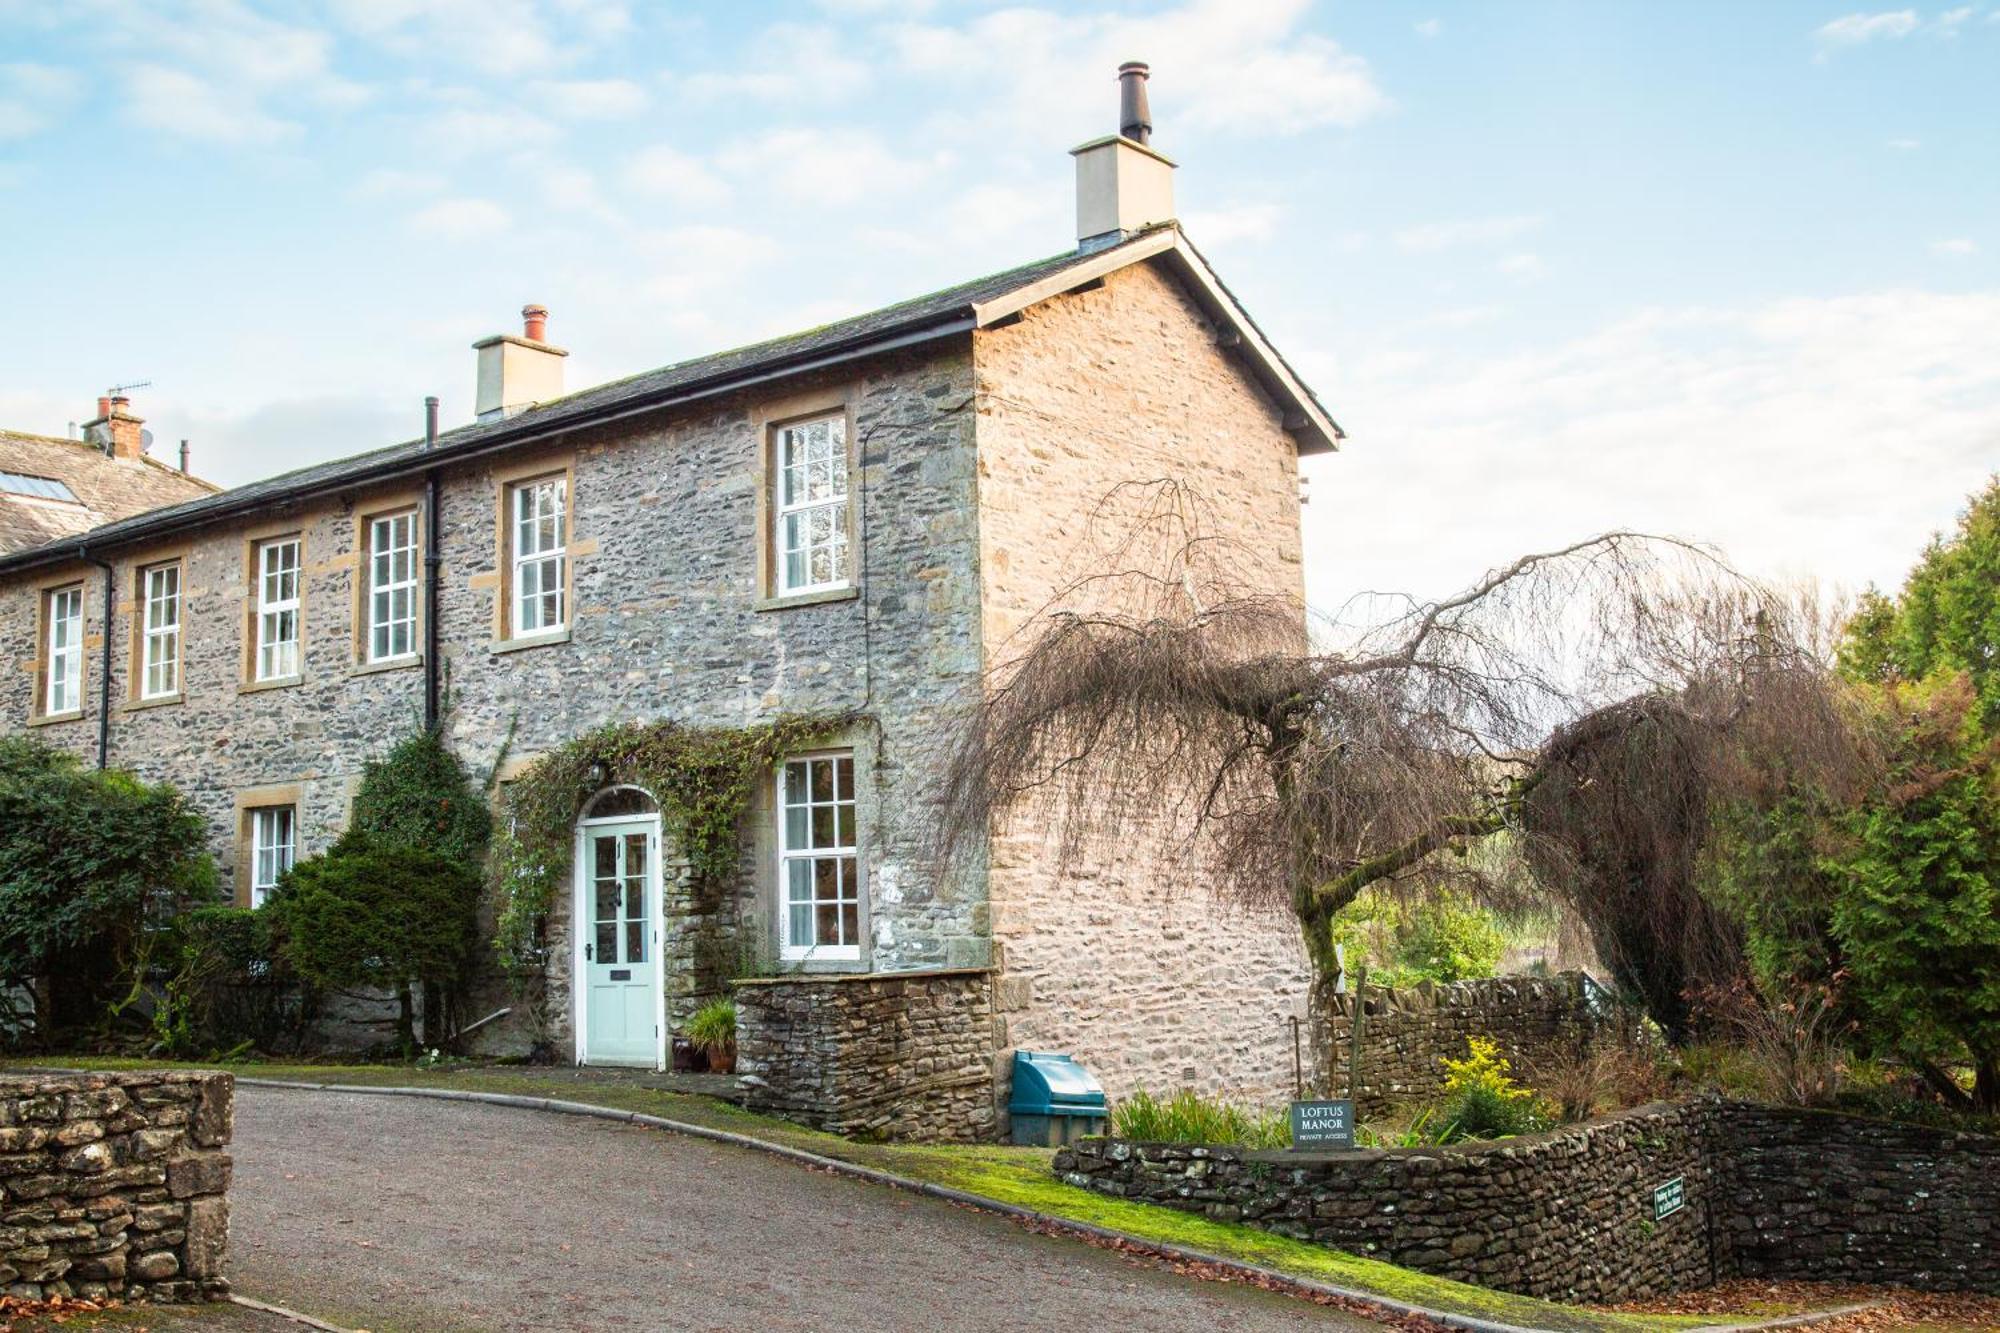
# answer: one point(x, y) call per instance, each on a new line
point(619, 992)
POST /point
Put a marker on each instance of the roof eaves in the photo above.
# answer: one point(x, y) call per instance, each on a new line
point(475, 441)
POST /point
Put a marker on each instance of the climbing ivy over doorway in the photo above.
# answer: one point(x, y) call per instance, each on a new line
point(702, 777)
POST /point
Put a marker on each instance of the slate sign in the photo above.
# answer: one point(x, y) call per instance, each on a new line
point(1327, 1124)
point(1669, 1198)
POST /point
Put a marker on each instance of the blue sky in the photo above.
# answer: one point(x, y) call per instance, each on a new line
point(1717, 269)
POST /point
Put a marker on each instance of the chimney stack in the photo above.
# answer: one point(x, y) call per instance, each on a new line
point(119, 433)
point(515, 373)
point(1122, 185)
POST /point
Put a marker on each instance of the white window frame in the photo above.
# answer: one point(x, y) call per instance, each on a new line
point(274, 847)
point(160, 643)
point(544, 553)
point(845, 852)
point(797, 501)
point(383, 586)
point(278, 654)
point(62, 611)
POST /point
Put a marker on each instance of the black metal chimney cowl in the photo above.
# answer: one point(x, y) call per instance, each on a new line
point(1135, 118)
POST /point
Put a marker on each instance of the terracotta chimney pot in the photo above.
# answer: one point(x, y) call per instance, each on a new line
point(534, 322)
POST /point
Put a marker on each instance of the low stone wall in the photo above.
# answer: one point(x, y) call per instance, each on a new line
point(1409, 1032)
point(1569, 1215)
point(1566, 1215)
point(904, 1055)
point(1815, 1195)
point(115, 1185)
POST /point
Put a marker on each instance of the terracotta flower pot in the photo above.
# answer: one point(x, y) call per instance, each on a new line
point(722, 1062)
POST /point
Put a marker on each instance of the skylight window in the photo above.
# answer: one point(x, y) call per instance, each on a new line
point(41, 488)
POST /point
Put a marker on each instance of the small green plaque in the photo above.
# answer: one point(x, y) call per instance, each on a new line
point(1323, 1124)
point(1669, 1198)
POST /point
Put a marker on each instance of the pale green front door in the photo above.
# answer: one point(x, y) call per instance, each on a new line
point(621, 965)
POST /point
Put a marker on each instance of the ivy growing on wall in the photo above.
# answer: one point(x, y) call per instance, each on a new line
point(703, 778)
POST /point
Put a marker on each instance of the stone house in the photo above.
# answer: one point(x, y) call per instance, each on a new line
point(53, 488)
point(851, 519)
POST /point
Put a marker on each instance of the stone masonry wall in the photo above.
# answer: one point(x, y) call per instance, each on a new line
point(1129, 962)
point(1566, 1215)
point(1770, 1193)
point(1839, 1199)
point(115, 1185)
point(906, 1056)
point(669, 622)
point(1409, 1032)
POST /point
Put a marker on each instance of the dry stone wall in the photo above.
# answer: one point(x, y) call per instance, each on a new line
point(1846, 1200)
point(1408, 1033)
point(115, 1185)
point(904, 1056)
point(1569, 1215)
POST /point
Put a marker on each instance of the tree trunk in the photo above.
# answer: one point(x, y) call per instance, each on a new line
point(1986, 1086)
point(406, 1027)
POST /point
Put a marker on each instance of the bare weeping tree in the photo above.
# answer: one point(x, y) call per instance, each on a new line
point(1592, 700)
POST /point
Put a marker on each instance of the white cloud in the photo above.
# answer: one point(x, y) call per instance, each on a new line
point(33, 97)
point(678, 265)
point(1432, 236)
point(1948, 23)
point(591, 99)
point(389, 183)
point(499, 37)
point(1856, 29)
point(460, 219)
point(1430, 27)
point(664, 172)
point(1522, 266)
point(1221, 67)
point(1825, 435)
point(822, 166)
point(1246, 222)
point(470, 131)
point(180, 103)
point(1955, 247)
point(1906, 145)
point(784, 63)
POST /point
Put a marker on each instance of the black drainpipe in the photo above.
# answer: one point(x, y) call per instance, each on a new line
point(433, 561)
point(104, 666)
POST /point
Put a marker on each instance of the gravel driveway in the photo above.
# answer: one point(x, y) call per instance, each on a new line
point(403, 1214)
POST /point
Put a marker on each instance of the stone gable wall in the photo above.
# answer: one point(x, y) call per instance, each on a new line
point(906, 1056)
point(1409, 1032)
point(1130, 964)
point(1568, 1215)
point(115, 1185)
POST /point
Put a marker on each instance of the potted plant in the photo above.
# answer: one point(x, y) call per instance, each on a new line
point(713, 1032)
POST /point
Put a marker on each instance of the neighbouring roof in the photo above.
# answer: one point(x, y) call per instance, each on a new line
point(980, 303)
point(52, 489)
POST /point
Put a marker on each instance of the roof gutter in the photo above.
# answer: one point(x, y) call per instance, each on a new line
point(504, 438)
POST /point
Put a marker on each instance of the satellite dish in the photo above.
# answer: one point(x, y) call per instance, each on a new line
point(145, 441)
point(97, 434)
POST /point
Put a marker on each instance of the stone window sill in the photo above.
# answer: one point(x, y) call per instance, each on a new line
point(526, 641)
point(275, 683)
point(163, 701)
point(51, 719)
point(786, 603)
point(402, 663)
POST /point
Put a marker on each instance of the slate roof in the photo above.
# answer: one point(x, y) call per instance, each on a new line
point(105, 489)
point(938, 314)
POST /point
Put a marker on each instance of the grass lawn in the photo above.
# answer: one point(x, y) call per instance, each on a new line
point(1017, 1176)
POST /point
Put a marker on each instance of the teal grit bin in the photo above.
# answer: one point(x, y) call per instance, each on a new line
point(1055, 1100)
